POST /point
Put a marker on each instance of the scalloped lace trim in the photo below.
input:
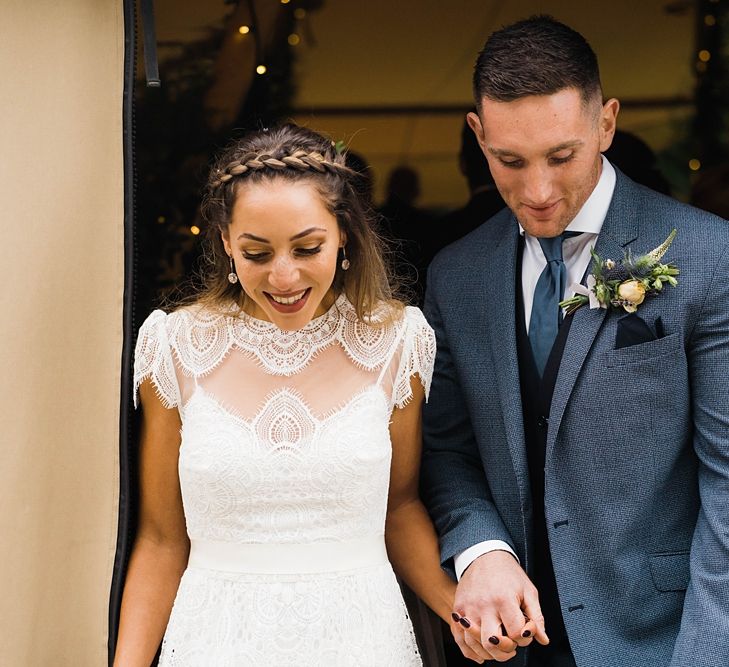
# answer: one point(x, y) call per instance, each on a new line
point(199, 340)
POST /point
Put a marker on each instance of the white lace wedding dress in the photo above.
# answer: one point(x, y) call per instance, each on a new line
point(284, 468)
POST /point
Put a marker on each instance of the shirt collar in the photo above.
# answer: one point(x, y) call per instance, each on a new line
point(592, 214)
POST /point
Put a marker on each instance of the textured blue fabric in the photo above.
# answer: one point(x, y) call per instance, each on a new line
point(637, 461)
point(545, 316)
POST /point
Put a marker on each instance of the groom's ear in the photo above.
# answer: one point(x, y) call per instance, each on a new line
point(608, 123)
point(474, 122)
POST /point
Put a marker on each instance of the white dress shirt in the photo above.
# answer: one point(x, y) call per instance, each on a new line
point(576, 255)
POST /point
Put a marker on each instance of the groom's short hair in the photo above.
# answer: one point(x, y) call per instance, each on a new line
point(535, 56)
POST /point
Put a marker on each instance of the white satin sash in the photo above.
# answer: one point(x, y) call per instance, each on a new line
point(282, 558)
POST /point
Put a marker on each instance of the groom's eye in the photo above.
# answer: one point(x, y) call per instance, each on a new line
point(561, 159)
point(513, 164)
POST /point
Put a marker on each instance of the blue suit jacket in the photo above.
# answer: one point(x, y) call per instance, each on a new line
point(637, 471)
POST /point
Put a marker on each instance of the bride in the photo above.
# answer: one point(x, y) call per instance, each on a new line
point(280, 439)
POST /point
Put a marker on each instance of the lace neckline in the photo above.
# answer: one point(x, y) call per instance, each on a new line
point(326, 319)
point(202, 339)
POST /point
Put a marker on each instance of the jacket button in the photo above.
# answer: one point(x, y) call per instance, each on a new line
point(543, 421)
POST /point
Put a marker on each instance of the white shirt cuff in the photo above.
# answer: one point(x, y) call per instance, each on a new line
point(465, 558)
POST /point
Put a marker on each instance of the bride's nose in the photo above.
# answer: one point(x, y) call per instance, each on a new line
point(284, 274)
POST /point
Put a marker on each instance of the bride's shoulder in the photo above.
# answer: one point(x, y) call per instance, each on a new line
point(397, 316)
point(178, 324)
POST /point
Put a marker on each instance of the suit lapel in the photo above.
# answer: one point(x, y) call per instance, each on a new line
point(620, 228)
point(500, 292)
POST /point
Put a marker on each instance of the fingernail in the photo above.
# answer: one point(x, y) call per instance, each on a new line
point(494, 640)
point(526, 633)
point(455, 617)
point(464, 622)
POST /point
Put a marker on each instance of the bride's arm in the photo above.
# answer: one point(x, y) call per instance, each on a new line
point(412, 544)
point(161, 547)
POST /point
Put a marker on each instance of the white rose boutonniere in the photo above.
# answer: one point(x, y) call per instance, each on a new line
point(624, 284)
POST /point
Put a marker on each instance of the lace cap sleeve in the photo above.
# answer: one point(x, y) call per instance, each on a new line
point(417, 356)
point(153, 359)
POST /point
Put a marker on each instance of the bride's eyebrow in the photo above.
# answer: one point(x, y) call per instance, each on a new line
point(295, 237)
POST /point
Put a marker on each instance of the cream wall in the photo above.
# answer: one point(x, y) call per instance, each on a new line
point(61, 266)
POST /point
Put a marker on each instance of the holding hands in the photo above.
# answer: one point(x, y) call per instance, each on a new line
point(496, 609)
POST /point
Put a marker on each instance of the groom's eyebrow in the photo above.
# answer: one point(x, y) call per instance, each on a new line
point(567, 144)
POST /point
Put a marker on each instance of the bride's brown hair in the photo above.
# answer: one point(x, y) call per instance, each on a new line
point(291, 152)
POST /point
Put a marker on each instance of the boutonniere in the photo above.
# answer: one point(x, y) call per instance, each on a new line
point(624, 284)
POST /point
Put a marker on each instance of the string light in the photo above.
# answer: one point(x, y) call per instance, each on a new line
point(700, 67)
point(299, 13)
point(244, 29)
point(704, 56)
point(294, 39)
point(285, 2)
point(195, 230)
point(694, 164)
point(261, 69)
point(161, 220)
point(709, 20)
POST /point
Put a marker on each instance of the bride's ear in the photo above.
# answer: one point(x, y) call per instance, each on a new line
point(226, 243)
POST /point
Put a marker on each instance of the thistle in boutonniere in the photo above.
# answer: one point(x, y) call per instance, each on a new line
point(624, 284)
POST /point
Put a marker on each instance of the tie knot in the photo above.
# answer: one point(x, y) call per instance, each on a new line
point(552, 248)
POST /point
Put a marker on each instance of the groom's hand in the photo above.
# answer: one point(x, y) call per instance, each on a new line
point(496, 595)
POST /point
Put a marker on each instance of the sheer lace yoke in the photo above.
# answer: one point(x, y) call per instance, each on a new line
point(242, 362)
point(203, 339)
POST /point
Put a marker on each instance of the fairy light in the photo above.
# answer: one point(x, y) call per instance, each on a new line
point(195, 230)
point(700, 67)
point(244, 29)
point(261, 69)
point(161, 220)
point(704, 56)
point(694, 164)
point(710, 20)
point(299, 13)
point(294, 39)
point(285, 2)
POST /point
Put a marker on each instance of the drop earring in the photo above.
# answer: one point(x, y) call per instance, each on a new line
point(345, 262)
point(232, 276)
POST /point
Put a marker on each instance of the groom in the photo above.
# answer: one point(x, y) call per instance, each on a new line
point(577, 467)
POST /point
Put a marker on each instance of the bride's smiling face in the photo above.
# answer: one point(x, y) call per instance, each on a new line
point(284, 242)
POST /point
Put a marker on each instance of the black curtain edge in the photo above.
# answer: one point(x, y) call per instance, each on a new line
point(124, 529)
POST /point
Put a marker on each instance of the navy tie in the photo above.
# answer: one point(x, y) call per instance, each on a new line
point(546, 314)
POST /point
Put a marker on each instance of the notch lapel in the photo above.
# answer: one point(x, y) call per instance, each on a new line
point(619, 229)
point(500, 292)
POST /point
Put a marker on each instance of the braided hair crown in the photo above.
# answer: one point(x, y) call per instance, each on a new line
point(288, 147)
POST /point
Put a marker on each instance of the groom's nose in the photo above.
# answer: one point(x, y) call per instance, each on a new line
point(537, 186)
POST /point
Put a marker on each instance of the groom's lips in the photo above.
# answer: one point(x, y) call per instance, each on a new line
point(543, 212)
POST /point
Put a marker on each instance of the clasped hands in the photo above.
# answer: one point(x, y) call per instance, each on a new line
point(496, 609)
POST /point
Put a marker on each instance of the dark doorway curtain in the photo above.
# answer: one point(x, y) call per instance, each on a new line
point(128, 422)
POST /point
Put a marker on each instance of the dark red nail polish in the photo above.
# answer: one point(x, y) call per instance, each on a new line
point(456, 617)
point(526, 633)
point(465, 622)
point(494, 640)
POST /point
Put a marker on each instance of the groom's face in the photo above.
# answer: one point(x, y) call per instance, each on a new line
point(544, 154)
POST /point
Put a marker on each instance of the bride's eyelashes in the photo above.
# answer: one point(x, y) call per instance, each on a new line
point(263, 256)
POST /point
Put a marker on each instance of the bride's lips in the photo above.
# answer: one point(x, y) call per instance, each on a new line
point(294, 307)
point(543, 212)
